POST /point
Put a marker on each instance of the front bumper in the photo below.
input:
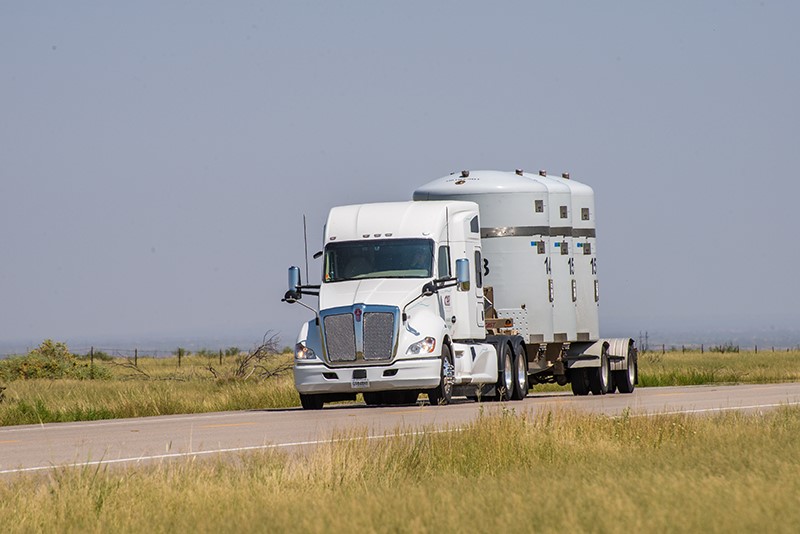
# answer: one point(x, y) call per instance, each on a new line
point(422, 373)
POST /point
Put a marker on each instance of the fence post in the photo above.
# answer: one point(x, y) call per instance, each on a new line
point(663, 349)
point(683, 348)
point(135, 357)
point(91, 362)
point(180, 350)
point(756, 349)
point(701, 348)
point(220, 356)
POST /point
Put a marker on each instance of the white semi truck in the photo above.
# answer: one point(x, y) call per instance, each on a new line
point(482, 286)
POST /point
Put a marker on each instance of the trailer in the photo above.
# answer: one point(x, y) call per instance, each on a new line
point(482, 286)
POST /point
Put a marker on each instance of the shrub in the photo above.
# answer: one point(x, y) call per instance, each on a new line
point(49, 360)
point(725, 347)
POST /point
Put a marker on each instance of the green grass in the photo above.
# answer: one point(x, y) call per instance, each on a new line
point(158, 386)
point(554, 472)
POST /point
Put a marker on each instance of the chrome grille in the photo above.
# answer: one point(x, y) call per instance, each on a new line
point(378, 335)
point(340, 337)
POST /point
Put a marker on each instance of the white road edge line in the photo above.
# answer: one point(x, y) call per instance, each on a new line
point(150, 419)
point(722, 409)
point(221, 451)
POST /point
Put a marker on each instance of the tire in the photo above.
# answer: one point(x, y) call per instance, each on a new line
point(600, 377)
point(443, 393)
point(626, 379)
point(520, 370)
point(505, 373)
point(311, 402)
point(579, 380)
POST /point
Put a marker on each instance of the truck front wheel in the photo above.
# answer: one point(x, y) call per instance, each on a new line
point(443, 393)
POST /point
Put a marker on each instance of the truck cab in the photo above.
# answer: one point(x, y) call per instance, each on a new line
point(390, 303)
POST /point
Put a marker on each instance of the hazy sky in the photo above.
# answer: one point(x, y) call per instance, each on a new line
point(156, 158)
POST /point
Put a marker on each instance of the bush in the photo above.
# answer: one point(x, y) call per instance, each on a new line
point(725, 347)
point(49, 360)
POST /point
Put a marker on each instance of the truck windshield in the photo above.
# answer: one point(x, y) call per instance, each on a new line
point(378, 258)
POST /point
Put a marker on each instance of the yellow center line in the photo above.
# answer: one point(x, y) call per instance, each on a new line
point(226, 425)
point(10, 441)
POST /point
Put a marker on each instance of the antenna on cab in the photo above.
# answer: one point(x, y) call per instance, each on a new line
point(305, 243)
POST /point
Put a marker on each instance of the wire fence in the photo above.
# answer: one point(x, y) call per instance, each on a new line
point(703, 348)
point(643, 343)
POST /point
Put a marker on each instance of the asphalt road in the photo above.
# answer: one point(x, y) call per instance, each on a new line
point(32, 448)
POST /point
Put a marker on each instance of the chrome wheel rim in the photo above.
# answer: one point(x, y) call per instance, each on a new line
point(508, 374)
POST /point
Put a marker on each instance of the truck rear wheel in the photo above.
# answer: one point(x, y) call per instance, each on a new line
point(579, 380)
point(600, 377)
point(520, 370)
point(311, 402)
point(443, 393)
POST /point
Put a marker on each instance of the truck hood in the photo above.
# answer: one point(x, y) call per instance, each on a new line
point(387, 292)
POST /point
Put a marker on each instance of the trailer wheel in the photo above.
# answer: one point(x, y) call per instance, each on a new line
point(626, 379)
point(311, 402)
point(600, 377)
point(505, 375)
point(579, 380)
point(520, 370)
point(443, 393)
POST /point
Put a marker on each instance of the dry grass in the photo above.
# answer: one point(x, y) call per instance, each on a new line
point(154, 387)
point(554, 472)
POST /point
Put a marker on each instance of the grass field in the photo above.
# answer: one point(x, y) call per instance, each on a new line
point(554, 472)
point(158, 386)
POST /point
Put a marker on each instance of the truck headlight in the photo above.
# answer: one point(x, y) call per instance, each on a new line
point(425, 346)
point(301, 352)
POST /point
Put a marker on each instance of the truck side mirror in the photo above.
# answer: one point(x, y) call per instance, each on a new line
point(462, 274)
point(294, 282)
